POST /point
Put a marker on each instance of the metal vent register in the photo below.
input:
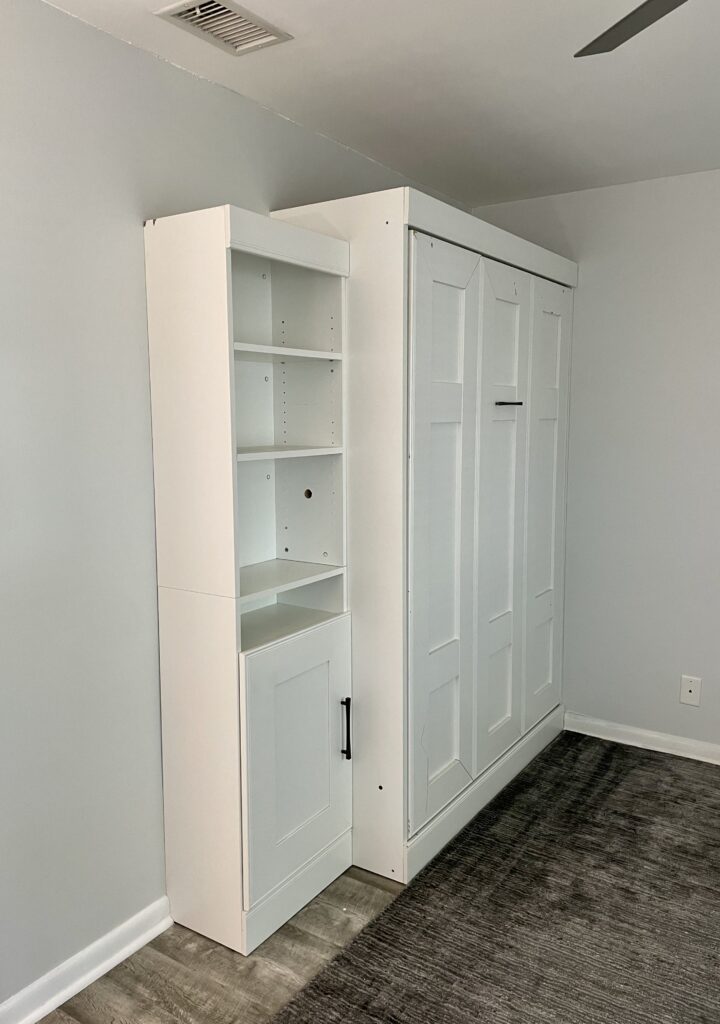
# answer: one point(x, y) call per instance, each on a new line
point(227, 25)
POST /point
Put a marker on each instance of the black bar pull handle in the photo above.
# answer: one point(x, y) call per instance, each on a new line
point(347, 749)
point(509, 403)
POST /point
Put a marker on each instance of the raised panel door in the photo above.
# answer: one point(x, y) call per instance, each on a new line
point(500, 508)
point(297, 784)
point(443, 352)
point(547, 433)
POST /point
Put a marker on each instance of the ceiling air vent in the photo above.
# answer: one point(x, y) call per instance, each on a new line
point(225, 24)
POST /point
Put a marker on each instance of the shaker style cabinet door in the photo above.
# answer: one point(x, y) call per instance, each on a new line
point(501, 449)
point(297, 782)
point(547, 419)
point(444, 328)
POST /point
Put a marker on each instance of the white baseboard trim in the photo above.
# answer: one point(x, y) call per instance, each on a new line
point(434, 836)
point(663, 742)
point(70, 977)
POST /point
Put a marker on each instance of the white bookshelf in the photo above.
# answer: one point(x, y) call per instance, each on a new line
point(246, 319)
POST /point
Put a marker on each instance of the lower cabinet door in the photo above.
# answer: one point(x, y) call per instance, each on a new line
point(297, 779)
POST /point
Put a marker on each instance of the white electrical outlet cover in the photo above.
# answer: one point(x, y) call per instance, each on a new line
point(690, 690)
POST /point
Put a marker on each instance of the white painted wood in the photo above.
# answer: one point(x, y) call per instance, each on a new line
point(290, 897)
point(309, 510)
point(501, 509)
point(201, 762)
point(282, 452)
point(376, 353)
point(279, 355)
point(264, 579)
point(437, 218)
point(291, 509)
point(376, 226)
point(256, 233)
point(284, 307)
point(288, 402)
point(297, 786)
point(444, 328)
point(681, 746)
point(324, 595)
point(192, 415)
point(308, 402)
point(545, 512)
point(248, 421)
point(277, 621)
point(438, 833)
point(48, 992)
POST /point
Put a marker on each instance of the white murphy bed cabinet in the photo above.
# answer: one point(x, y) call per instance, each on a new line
point(246, 320)
point(267, 367)
point(457, 357)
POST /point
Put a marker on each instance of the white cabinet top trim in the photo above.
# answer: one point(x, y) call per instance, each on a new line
point(433, 217)
point(436, 218)
point(259, 234)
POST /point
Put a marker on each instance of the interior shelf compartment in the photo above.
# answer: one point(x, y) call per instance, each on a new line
point(290, 510)
point(295, 402)
point(285, 306)
point(279, 353)
point(265, 620)
point(281, 451)
point(278, 621)
point(276, 575)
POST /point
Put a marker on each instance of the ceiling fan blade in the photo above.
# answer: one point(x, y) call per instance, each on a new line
point(638, 20)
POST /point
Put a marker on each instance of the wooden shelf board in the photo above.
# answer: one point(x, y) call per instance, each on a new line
point(278, 621)
point(263, 579)
point(283, 451)
point(277, 353)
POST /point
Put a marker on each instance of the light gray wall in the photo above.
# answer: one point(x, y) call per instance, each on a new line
point(643, 538)
point(96, 137)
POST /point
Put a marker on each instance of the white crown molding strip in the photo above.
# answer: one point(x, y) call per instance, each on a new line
point(54, 988)
point(697, 750)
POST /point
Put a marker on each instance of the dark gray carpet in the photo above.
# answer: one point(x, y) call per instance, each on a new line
point(588, 892)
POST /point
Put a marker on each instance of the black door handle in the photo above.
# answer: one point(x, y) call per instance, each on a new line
point(509, 403)
point(347, 749)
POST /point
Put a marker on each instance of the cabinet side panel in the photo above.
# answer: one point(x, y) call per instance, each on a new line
point(376, 447)
point(201, 762)
point(191, 390)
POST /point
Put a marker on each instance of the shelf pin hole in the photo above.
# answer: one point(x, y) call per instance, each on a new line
point(308, 492)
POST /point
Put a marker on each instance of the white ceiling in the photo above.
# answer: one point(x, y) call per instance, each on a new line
point(478, 99)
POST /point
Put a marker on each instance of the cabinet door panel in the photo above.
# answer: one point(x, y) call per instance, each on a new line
point(501, 508)
point(547, 417)
point(297, 787)
point(444, 330)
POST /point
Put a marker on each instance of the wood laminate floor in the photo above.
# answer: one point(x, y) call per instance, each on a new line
point(183, 977)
